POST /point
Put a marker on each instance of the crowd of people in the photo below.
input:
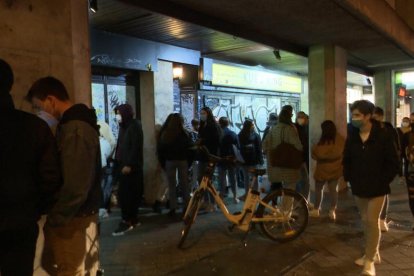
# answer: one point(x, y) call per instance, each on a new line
point(65, 164)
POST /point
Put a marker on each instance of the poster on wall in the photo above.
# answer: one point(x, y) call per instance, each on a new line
point(187, 108)
point(98, 100)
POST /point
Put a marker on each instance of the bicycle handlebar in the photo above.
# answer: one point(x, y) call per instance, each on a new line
point(214, 158)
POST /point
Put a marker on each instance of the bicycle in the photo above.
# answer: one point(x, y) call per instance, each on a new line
point(282, 214)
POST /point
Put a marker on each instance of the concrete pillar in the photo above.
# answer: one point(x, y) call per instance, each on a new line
point(163, 98)
point(384, 95)
point(41, 38)
point(327, 93)
point(327, 88)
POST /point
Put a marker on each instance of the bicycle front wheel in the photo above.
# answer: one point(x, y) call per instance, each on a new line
point(190, 215)
point(288, 217)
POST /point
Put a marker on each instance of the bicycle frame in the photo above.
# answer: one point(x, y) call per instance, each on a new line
point(241, 220)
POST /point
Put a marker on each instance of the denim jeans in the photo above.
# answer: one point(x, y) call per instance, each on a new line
point(172, 167)
point(246, 178)
point(230, 172)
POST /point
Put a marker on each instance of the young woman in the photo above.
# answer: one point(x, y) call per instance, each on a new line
point(370, 164)
point(209, 134)
point(328, 155)
point(174, 147)
point(251, 150)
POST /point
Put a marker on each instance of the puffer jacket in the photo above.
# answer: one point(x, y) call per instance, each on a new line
point(328, 159)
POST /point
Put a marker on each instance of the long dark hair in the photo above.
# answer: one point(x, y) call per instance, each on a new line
point(285, 117)
point(328, 133)
point(172, 128)
point(210, 118)
point(246, 130)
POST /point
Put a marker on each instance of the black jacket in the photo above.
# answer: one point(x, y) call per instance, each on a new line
point(29, 167)
point(177, 149)
point(80, 157)
point(251, 149)
point(371, 166)
point(209, 136)
point(228, 139)
point(131, 145)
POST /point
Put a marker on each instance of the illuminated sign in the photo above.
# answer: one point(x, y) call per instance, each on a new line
point(227, 75)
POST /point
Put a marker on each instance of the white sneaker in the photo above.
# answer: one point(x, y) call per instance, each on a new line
point(384, 225)
point(103, 213)
point(361, 261)
point(332, 214)
point(314, 213)
point(236, 200)
point(369, 268)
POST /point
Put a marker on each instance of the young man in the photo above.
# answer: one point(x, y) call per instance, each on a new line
point(29, 180)
point(302, 125)
point(78, 203)
point(370, 164)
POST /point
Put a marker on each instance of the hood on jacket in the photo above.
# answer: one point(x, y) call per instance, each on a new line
point(127, 114)
point(82, 113)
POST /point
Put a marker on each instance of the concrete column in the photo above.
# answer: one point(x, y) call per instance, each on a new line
point(41, 38)
point(163, 98)
point(384, 95)
point(327, 93)
point(327, 88)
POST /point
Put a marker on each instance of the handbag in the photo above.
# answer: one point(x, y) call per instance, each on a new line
point(285, 155)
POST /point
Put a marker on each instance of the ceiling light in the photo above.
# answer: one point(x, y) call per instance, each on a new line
point(277, 54)
point(178, 72)
point(93, 5)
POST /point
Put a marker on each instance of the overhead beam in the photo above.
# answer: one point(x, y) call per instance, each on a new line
point(380, 17)
point(185, 14)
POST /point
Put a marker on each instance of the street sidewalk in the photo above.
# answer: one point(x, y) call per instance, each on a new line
point(326, 248)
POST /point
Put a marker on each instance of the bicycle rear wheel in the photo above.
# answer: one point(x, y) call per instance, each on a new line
point(290, 217)
point(190, 215)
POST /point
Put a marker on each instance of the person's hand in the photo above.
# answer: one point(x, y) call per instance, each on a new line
point(126, 170)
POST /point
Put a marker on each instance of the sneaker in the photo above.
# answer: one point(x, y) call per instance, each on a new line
point(124, 227)
point(384, 225)
point(332, 214)
point(361, 261)
point(314, 213)
point(369, 268)
point(236, 200)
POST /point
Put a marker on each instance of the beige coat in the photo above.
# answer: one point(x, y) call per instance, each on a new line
point(272, 140)
point(328, 160)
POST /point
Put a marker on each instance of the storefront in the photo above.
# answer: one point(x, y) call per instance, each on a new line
point(239, 92)
point(404, 88)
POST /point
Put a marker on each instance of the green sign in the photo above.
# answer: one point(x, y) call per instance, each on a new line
point(227, 75)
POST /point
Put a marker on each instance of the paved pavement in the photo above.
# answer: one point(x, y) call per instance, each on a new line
point(326, 248)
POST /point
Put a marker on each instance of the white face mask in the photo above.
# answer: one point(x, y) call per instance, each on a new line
point(405, 124)
point(118, 118)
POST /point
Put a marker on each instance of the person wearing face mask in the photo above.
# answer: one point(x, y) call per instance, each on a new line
point(129, 157)
point(370, 164)
point(209, 134)
point(379, 117)
point(69, 224)
point(251, 151)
